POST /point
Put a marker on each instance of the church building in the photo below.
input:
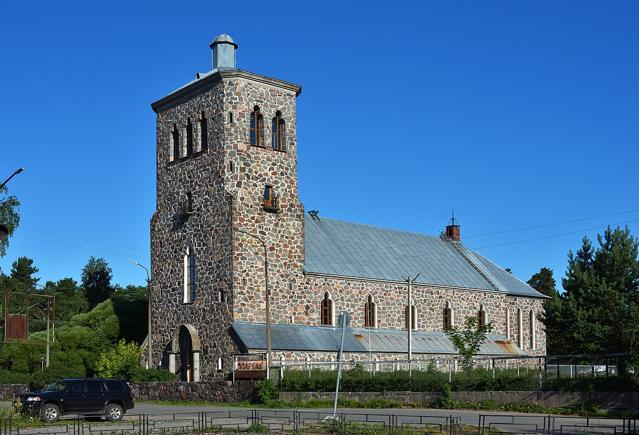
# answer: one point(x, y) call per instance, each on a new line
point(238, 264)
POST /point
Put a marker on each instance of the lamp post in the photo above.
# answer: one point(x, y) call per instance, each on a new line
point(4, 233)
point(148, 304)
point(268, 303)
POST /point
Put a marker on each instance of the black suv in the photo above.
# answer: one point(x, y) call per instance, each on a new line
point(109, 398)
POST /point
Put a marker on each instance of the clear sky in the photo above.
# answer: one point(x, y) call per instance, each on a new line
point(516, 114)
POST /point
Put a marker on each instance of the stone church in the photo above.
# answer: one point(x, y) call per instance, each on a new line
point(229, 229)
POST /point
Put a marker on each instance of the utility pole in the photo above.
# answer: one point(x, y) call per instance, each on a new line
point(267, 290)
point(344, 319)
point(46, 358)
point(149, 343)
point(410, 327)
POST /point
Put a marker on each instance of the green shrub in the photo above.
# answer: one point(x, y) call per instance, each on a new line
point(121, 361)
point(265, 391)
point(257, 428)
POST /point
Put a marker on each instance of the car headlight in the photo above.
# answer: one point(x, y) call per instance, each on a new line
point(34, 399)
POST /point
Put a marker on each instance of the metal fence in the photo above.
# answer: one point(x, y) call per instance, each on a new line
point(537, 424)
point(296, 421)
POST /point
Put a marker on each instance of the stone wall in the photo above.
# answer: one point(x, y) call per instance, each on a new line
point(222, 391)
point(605, 400)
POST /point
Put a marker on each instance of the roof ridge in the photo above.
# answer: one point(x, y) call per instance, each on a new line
point(485, 273)
point(320, 218)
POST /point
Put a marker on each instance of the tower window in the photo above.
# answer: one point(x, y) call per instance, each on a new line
point(189, 138)
point(175, 135)
point(370, 313)
point(256, 132)
point(189, 276)
point(413, 320)
point(481, 317)
point(277, 132)
point(188, 204)
point(326, 310)
point(448, 317)
point(269, 200)
point(204, 133)
point(231, 117)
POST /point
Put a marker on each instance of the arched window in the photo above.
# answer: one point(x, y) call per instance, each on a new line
point(507, 323)
point(448, 316)
point(520, 329)
point(189, 137)
point(413, 316)
point(532, 330)
point(257, 128)
point(370, 313)
point(175, 138)
point(277, 132)
point(481, 317)
point(204, 133)
point(189, 276)
point(326, 310)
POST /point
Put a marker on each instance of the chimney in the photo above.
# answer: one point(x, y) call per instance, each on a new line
point(223, 48)
point(453, 231)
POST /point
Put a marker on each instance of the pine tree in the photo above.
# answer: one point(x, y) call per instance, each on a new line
point(96, 281)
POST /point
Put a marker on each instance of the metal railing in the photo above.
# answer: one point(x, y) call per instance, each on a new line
point(320, 421)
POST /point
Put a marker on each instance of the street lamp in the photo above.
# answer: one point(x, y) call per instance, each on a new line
point(148, 300)
point(4, 230)
point(16, 172)
point(268, 304)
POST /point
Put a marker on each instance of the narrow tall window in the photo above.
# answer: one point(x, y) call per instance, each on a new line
point(507, 323)
point(256, 132)
point(448, 316)
point(413, 320)
point(175, 134)
point(188, 205)
point(520, 329)
point(370, 313)
point(481, 317)
point(326, 308)
point(189, 276)
point(277, 132)
point(204, 133)
point(189, 138)
point(532, 330)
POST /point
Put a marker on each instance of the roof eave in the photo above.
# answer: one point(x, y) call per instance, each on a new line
point(220, 75)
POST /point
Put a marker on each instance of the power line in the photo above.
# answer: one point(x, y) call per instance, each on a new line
point(532, 227)
point(80, 239)
point(69, 245)
point(555, 235)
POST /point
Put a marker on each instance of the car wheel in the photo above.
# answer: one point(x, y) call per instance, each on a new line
point(113, 412)
point(50, 412)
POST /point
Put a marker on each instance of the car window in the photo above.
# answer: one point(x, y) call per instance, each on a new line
point(94, 387)
point(118, 386)
point(76, 387)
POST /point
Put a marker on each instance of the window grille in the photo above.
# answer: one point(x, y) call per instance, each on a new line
point(413, 317)
point(277, 133)
point(326, 308)
point(370, 317)
point(256, 131)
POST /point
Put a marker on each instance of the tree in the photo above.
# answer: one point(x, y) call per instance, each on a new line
point(120, 361)
point(22, 274)
point(468, 341)
point(8, 216)
point(599, 310)
point(544, 282)
point(69, 298)
point(96, 281)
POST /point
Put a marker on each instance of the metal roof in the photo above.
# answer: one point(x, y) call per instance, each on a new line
point(291, 337)
point(333, 247)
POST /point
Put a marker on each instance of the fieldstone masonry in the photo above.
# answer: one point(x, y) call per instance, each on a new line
point(229, 230)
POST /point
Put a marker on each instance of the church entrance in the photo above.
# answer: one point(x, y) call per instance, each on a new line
point(186, 344)
point(186, 355)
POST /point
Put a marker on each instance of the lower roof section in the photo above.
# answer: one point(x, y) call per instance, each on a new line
point(291, 337)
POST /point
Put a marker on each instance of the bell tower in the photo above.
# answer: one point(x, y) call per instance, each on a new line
point(227, 215)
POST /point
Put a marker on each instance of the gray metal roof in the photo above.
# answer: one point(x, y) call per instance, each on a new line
point(291, 337)
point(340, 248)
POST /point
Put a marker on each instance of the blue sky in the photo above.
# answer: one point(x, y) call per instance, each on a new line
point(515, 114)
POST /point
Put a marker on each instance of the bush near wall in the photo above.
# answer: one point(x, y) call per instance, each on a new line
point(359, 380)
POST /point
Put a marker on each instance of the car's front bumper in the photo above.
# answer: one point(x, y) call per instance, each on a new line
point(27, 407)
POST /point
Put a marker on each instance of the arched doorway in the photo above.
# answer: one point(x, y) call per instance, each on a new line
point(186, 344)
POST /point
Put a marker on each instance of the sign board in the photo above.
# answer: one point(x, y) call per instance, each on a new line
point(17, 327)
point(251, 366)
